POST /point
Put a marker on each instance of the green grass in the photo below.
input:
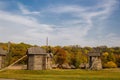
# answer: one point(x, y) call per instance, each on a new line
point(108, 74)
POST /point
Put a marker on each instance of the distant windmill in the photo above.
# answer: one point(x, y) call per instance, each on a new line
point(48, 50)
point(8, 46)
point(47, 41)
point(8, 54)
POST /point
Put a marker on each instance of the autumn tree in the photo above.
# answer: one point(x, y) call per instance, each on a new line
point(108, 58)
point(61, 56)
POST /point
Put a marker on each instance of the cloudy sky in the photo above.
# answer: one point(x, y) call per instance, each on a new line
point(64, 22)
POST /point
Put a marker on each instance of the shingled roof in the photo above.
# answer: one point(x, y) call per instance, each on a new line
point(36, 50)
point(2, 52)
point(94, 54)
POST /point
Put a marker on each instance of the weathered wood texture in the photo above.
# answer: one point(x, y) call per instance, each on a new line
point(95, 61)
point(2, 57)
point(38, 59)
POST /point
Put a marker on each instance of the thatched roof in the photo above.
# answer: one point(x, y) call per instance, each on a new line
point(2, 52)
point(36, 50)
point(94, 54)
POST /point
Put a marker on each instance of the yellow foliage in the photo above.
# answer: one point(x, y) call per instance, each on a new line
point(105, 54)
point(110, 64)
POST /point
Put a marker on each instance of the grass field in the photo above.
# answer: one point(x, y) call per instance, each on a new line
point(107, 74)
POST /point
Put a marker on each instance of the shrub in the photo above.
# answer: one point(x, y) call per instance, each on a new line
point(109, 64)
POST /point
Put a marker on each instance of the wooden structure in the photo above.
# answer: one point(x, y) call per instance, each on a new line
point(95, 60)
point(38, 59)
point(2, 57)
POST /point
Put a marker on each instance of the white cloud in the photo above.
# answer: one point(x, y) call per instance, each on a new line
point(24, 10)
point(21, 28)
point(23, 20)
point(27, 28)
point(66, 9)
point(83, 21)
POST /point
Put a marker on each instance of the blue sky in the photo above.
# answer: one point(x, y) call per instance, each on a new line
point(64, 22)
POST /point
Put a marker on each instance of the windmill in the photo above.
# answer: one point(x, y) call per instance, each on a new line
point(48, 49)
point(8, 54)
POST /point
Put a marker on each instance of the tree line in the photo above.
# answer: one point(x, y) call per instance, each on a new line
point(73, 55)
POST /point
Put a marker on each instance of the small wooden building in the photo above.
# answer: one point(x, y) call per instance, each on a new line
point(2, 57)
point(38, 59)
point(95, 60)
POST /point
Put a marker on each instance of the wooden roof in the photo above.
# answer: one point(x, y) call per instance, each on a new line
point(36, 50)
point(2, 52)
point(94, 54)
